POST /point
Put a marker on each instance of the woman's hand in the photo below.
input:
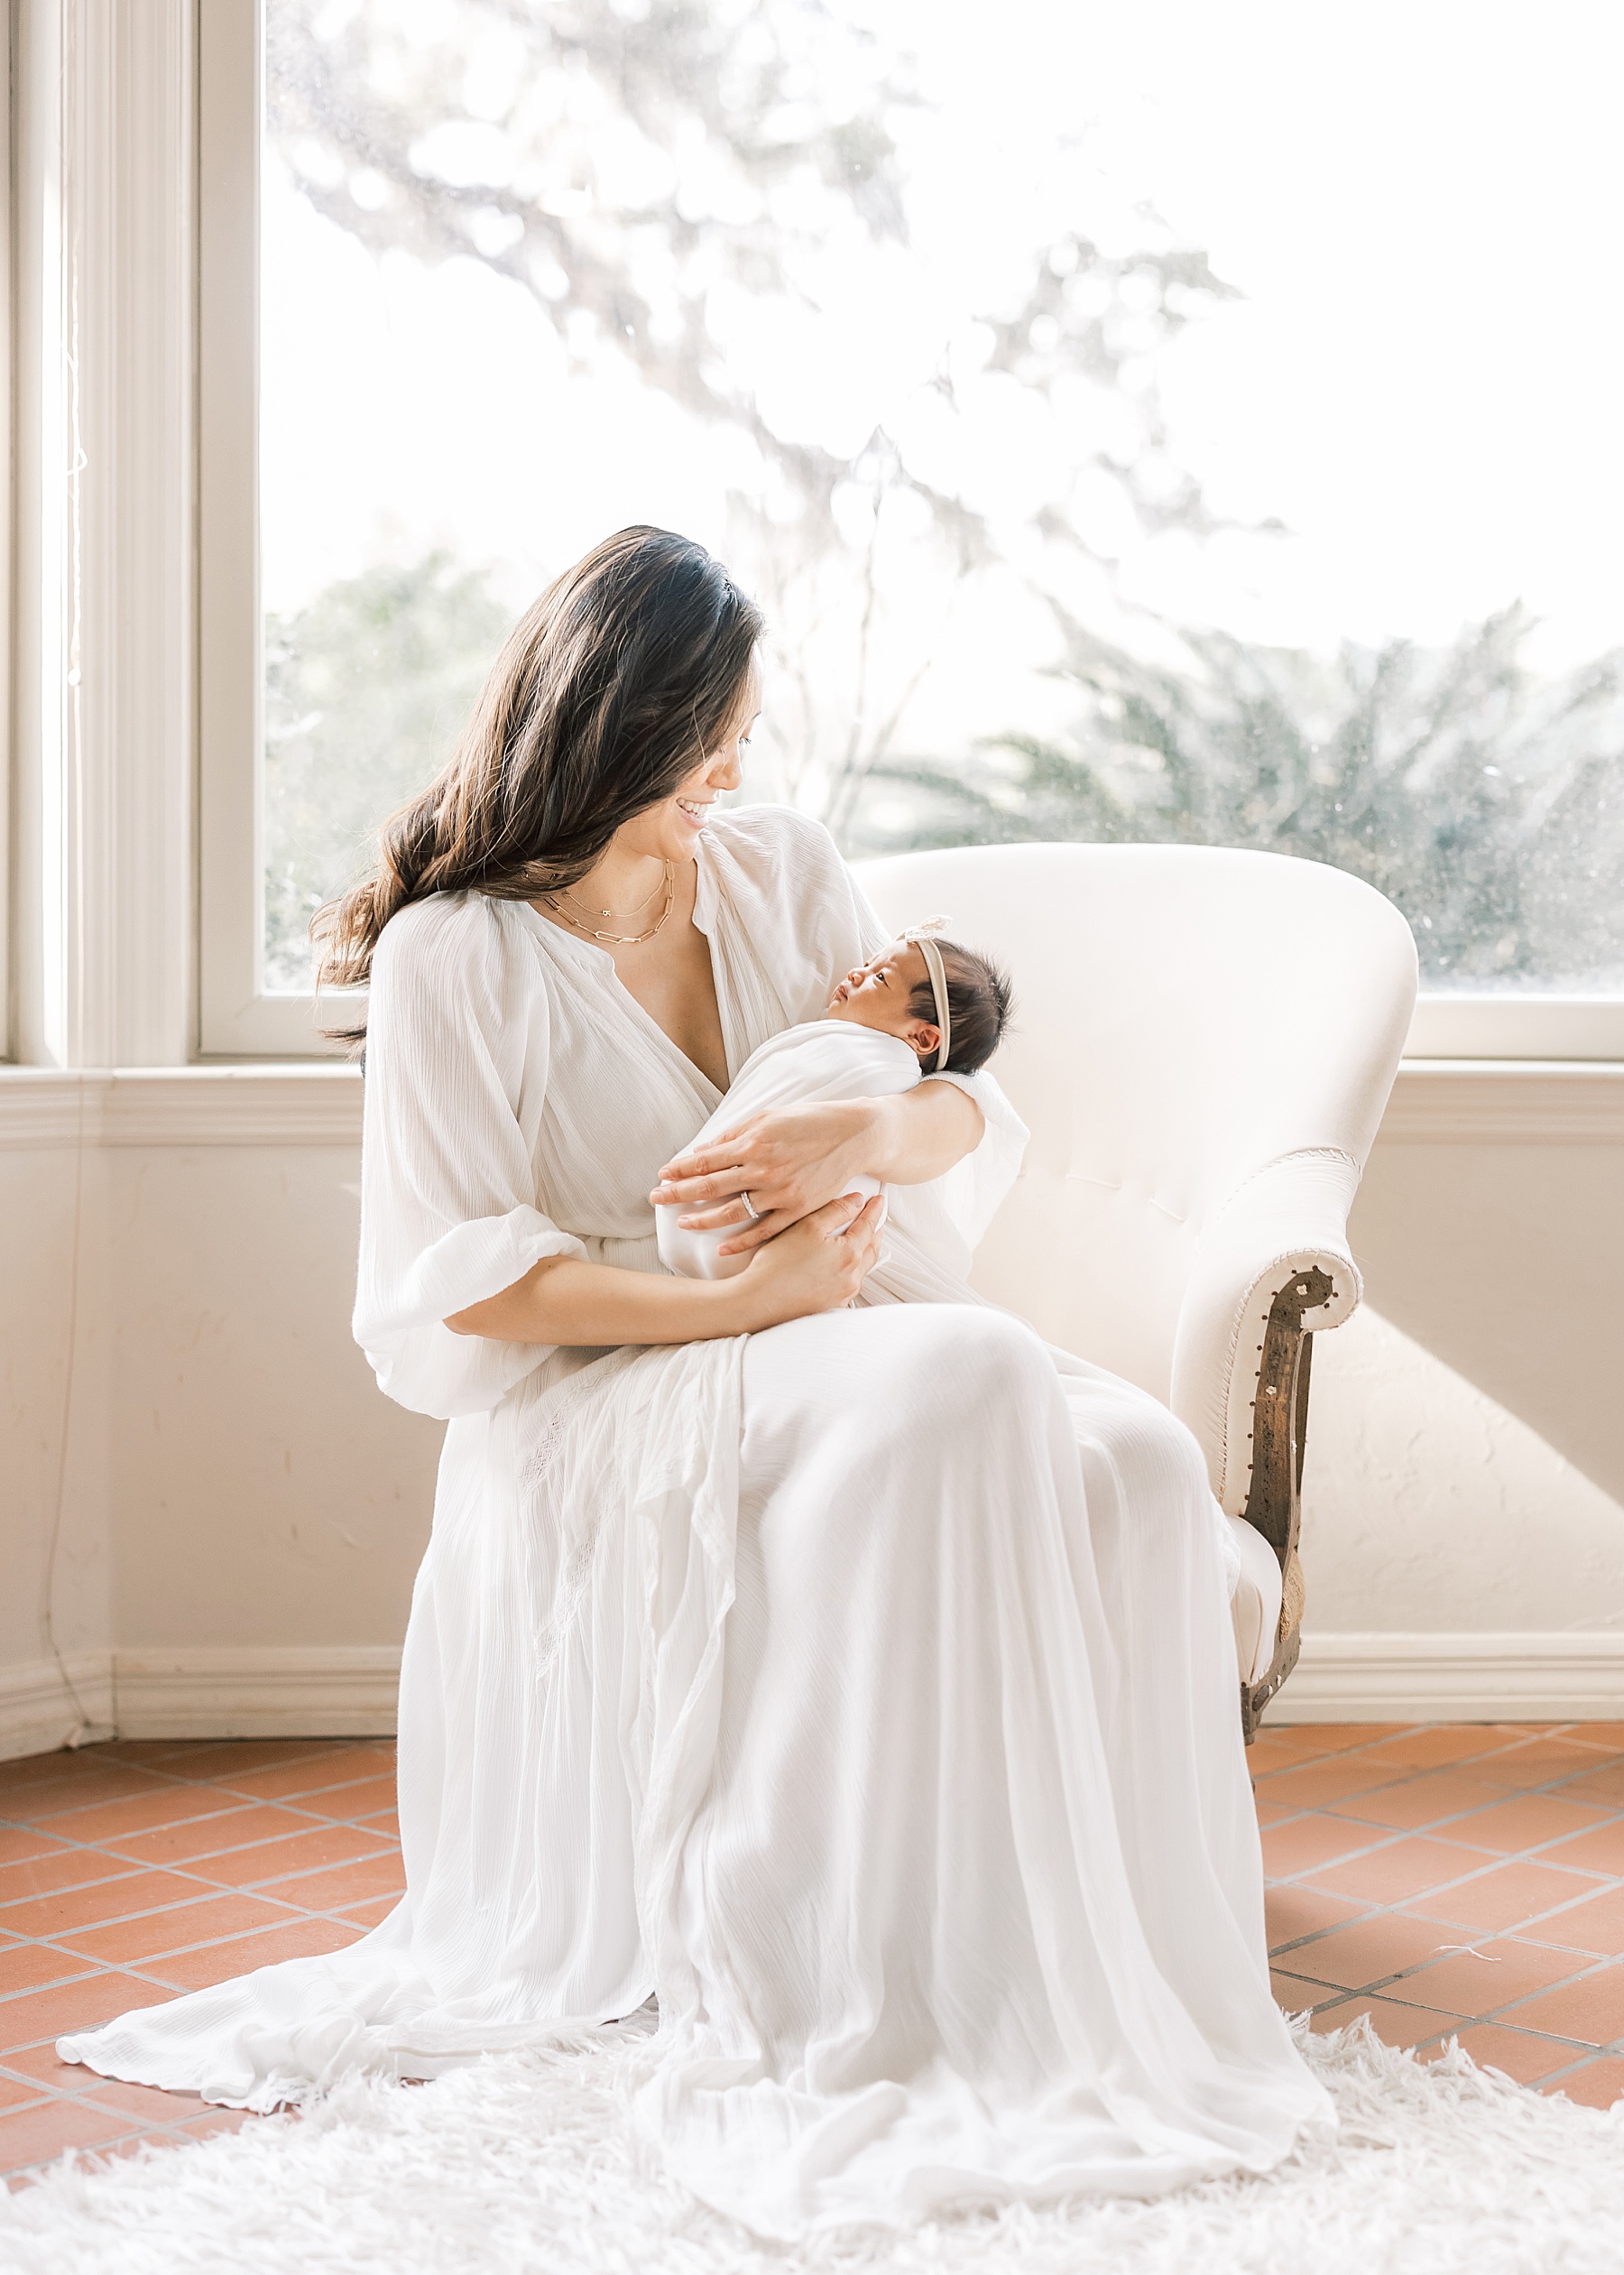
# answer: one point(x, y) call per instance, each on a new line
point(818, 1264)
point(795, 1162)
point(791, 1164)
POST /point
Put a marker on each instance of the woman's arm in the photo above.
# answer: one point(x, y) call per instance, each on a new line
point(791, 1163)
point(818, 1264)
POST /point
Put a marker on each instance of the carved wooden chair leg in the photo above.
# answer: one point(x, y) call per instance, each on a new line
point(1274, 1502)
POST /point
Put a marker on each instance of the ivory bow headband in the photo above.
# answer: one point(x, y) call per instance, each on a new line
point(921, 935)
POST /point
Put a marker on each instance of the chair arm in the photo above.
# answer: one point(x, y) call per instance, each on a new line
point(1289, 1218)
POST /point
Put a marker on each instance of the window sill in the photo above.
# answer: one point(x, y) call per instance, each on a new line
point(1543, 1028)
point(300, 1103)
point(1506, 1102)
point(1434, 1100)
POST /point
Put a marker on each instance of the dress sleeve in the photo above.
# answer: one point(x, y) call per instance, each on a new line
point(455, 1072)
point(972, 1188)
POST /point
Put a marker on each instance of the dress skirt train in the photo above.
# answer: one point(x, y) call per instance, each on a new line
point(865, 1690)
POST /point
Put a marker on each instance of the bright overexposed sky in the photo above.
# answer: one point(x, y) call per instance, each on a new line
point(1423, 205)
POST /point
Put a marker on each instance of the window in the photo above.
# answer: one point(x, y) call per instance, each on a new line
point(1155, 423)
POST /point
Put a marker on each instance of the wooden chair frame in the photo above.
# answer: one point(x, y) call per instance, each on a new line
point(1274, 1502)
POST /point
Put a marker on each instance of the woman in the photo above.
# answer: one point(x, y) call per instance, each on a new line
point(851, 1673)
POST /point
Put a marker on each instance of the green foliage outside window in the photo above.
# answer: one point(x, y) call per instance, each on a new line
point(1486, 801)
point(366, 689)
point(629, 168)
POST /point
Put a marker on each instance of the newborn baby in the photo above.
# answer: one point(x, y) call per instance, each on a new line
point(923, 1006)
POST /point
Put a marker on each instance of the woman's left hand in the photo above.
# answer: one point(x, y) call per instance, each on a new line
point(789, 1163)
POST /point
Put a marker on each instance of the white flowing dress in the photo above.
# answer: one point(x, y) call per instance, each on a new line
point(863, 1690)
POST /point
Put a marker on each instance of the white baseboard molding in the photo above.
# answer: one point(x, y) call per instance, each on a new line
point(348, 1691)
point(266, 1691)
point(45, 1702)
point(260, 1691)
point(1516, 1677)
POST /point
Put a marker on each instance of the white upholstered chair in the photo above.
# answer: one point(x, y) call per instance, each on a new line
point(1202, 1045)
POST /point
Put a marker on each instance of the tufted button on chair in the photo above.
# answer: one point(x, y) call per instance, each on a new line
point(1203, 1044)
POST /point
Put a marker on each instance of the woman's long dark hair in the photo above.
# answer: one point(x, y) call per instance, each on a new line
point(614, 686)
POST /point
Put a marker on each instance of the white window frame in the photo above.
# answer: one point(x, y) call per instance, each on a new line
point(237, 1017)
point(8, 546)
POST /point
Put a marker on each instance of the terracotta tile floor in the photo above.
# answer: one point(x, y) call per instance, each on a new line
point(1462, 1880)
point(130, 1871)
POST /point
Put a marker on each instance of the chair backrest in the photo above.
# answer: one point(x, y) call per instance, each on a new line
point(1183, 1016)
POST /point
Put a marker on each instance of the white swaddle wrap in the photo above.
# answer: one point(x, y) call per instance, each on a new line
point(823, 1060)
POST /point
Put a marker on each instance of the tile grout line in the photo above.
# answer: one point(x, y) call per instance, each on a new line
point(1406, 1773)
point(1413, 1774)
point(1399, 1909)
point(201, 1816)
point(1589, 1962)
point(155, 1911)
point(236, 1797)
point(187, 1868)
point(175, 2135)
point(1586, 2053)
point(179, 1951)
point(1493, 1860)
point(1381, 1987)
point(320, 1749)
point(1432, 1828)
point(311, 1821)
point(232, 1800)
point(211, 1887)
point(141, 1968)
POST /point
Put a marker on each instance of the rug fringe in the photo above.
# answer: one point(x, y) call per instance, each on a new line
point(521, 2163)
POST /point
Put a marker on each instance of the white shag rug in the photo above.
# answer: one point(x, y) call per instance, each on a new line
point(521, 2165)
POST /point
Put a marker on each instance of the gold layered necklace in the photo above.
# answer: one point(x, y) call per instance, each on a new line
point(618, 939)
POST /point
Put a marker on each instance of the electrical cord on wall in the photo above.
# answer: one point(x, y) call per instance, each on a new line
point(84, 1732)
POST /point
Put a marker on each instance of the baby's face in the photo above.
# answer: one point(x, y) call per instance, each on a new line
point(877, 993)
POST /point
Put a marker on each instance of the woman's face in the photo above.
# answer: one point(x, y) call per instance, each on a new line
point(670, 830)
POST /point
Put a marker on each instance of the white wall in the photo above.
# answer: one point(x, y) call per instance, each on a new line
point(55, 1483)
point(241, 1511)
point(1463, 1496)
point(265, 1492)
point(1430, 1507)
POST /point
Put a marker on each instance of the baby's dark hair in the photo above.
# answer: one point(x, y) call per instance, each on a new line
point(978, 1007)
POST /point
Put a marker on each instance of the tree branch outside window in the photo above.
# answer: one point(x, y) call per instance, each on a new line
point(679, 188)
